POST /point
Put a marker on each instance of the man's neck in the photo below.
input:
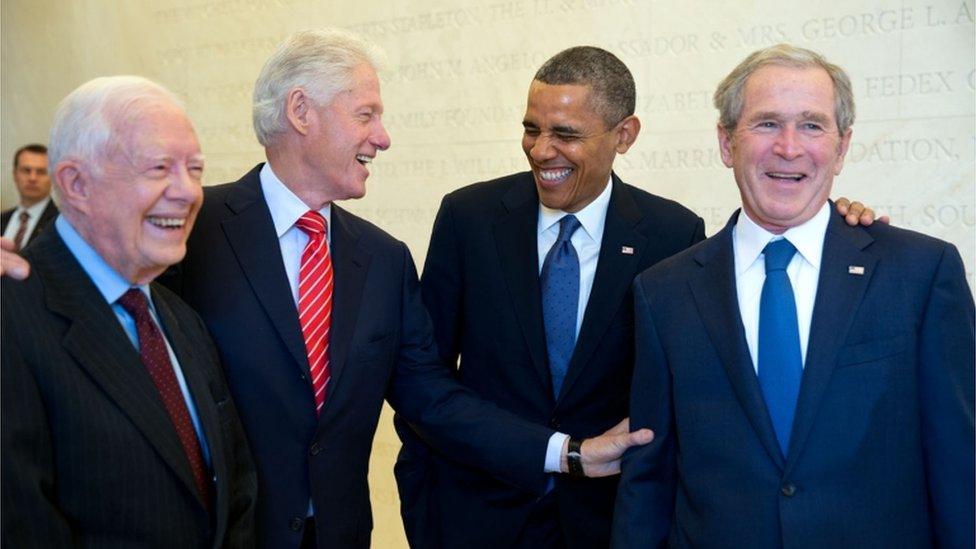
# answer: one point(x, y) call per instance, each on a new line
point(294, 175)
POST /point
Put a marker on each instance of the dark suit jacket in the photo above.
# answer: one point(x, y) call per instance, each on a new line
point(481, 286)
point(381, 346)
point(881, 453)
point(47, 216)
point(90, 456)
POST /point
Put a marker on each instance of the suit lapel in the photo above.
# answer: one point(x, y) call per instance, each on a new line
point(350, 263)
point(517, 245)
point(615, 273)
point(839, 295)
point(251, 234)
point(193, 365)
point(713, 287)
point(98, 343)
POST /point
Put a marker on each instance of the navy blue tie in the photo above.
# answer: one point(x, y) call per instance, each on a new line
point(560, 280)
point(780, 363)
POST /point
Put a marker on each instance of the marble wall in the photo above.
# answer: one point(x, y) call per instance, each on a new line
point(455, 93)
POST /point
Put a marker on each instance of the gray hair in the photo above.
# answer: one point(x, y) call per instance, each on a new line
point(320, 62)
point(614, 94)
point(728, 97)
point(86, 120)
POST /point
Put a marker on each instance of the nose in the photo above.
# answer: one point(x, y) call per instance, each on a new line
point(185, 185)
point(541, 149)
point(788, 144)
point(380, 138)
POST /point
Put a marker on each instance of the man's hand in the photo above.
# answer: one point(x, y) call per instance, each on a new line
point(11, 264)
point(856, 213)
point(601, 455)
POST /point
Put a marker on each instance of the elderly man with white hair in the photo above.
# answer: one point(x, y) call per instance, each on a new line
point(117, 425)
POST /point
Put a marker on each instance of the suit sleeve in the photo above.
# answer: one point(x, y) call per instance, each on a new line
point(450, 417)
point(442, 284)
point(645, 496)
point(946, 387)
point(31, 517)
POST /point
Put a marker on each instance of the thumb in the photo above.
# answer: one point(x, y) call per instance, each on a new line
point(639, 437)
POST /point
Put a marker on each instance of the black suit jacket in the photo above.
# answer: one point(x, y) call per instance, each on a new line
point(90, 456)
point(481, 286)
point(881, 452)
point(47, 216)
point(381, 346)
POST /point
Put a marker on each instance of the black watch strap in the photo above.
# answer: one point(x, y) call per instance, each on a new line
point(574, 457)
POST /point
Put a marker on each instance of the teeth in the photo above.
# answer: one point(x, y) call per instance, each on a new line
point(555, 175)
point(167, 222)
point(780, 175)
point(363, 159)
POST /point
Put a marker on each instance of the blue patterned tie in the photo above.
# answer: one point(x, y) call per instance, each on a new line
point(780, 363)
point(560, 279)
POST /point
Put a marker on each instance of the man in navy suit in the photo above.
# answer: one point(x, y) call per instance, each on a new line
point(810, 384)
point(35, 208)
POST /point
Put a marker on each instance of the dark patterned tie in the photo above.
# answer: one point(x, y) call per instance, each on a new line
point(22, 230)
point(155, 357)
point(780, 364)
point(560, 280)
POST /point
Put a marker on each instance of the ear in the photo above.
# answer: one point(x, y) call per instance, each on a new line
point(298, 107)
point(725, 145)
point(845, 143)
point(627, 130)
point(74, 183)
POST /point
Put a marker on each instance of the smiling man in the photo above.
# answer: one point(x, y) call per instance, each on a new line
point(118, 428)
point(810, 383)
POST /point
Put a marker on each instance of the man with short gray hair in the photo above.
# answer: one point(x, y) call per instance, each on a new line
point(117, 424)
point(810, 384)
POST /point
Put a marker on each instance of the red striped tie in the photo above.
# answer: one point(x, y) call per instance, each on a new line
point(315, 301)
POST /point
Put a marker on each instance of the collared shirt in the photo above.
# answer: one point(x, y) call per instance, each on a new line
point(112, 285)
point(586, 240)
point(285, 209)
point(748, 241)
point(34, 211)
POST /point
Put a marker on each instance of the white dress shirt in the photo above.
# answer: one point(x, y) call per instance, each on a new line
point(285, 209)
point(34, 211)
point(586, 240)
point(748, 241)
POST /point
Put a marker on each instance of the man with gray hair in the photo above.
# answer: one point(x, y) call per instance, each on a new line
point(317, 313)
point(117, 424)
point(810, 383)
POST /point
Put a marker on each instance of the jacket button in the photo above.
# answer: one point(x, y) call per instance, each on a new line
point(788, 490)
point(316, 449)
point(296, 524)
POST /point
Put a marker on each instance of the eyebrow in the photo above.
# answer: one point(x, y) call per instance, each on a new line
point(812, 116)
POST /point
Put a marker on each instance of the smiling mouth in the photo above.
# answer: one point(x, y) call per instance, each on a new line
point(363, 159)
point(786, 176)
point(169, 223)
point(554, 175)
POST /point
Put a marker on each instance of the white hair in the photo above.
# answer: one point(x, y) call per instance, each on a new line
point(86, 120)
point(321, 62)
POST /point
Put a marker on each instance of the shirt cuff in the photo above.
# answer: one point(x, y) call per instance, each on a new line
point(554, 452)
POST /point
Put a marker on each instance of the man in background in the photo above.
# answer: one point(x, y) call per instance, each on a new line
point(117, 425)
point(35, 209)
point(810, 384)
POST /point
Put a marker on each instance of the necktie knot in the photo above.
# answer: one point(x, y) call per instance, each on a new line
point(778, 254)
point(312, 223)
point(135, 303)
point(567, 226)
point(24, 217)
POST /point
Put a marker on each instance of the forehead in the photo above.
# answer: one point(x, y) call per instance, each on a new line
point(559, 103)
point(363, 90)
point(31, 158)
point(155, 128)
point(789, 89)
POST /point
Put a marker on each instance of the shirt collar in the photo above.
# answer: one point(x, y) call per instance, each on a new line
point(35, 210)
point(808, 238)
point(285, 207)
point(108, 281)
point(592, 217)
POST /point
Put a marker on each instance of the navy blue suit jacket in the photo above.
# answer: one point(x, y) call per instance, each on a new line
point(381, 346)
point(881, 453)
point(481, 286)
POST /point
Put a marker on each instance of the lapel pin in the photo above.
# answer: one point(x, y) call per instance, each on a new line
point(855, 270)
point(627, 250)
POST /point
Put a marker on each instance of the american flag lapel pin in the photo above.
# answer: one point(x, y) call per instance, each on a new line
point(627, 250)
point(855, 270)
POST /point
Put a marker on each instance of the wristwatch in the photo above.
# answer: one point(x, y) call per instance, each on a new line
point(574, 458)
